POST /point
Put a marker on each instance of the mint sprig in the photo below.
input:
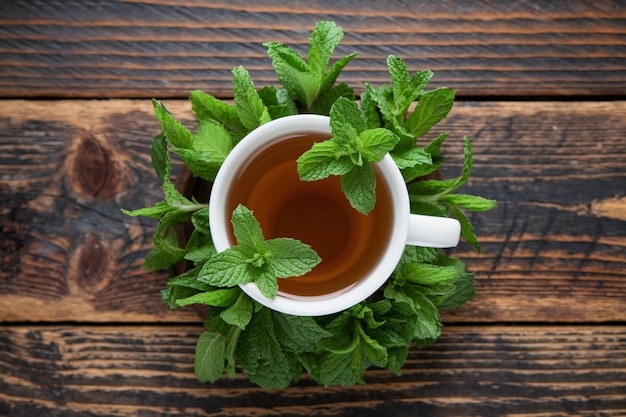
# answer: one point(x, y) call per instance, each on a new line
point(257, 260)
point(311, 83)
point(349, 153)
point(273, 348)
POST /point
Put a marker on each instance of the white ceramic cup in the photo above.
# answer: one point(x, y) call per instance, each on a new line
point(407, 228)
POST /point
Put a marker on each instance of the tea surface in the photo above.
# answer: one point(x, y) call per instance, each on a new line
point(316, 213)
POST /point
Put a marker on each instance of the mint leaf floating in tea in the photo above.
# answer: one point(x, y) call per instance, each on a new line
point(255, 259)
point(349, 153)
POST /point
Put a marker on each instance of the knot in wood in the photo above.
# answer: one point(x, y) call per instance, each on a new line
point(93, 265)
point(94, 171)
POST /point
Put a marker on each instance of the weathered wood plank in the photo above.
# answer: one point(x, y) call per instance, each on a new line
point(163, 48)
point(553, 250)
point(148, 371)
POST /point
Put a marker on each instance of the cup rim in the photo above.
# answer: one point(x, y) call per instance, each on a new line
point(328, 303)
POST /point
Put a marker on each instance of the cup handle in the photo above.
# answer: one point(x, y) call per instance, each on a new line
point(433, 232)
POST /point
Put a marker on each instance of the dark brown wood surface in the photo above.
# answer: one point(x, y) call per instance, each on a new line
point(542, 89)
point(472, 371)
point(167, 48)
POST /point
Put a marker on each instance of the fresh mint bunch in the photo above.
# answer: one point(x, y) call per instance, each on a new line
point(349, 153)
point(255, 259)
point(273, 348)
point(311, 83)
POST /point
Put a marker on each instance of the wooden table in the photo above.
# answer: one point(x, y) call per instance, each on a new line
point(540, 91)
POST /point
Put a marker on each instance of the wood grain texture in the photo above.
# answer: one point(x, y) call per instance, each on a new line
point(165, 48)
point(553, 249)
point(148, 371)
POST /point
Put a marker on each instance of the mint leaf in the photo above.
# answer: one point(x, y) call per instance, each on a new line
point(298, 333)
point(467, 229)
point(433, 149)
point(405, 90)
point(346, 115)
point(290, 257)
point(212, 142)
point(254, 259)
point(359, 186)
point(322, 160)
point(322, 42)
point(293, 73)
point(260, 354)
point(216, 298)
point(209, 360)
point(265, 279)
point(227, 268)
point(238, 313)
point(177, 134)
point(160, 155)
point(425, 274)
point(307, 81)
point(349, 153)
point(248, 231)
point(463, 291)
point(412, 157)
point(469, 202)
point(250, 108)
point(376, 143)
point(433, 107)
point(277, 101)
point(208, 107)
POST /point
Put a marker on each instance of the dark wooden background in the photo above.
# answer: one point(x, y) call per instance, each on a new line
point(541, 90)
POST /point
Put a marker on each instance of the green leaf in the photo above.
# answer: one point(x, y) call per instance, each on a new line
point(157, 211)
point(377, 143)
point(405, 90)
point(325, 100)
point(429, 322)
point(209, 360)
point(277, 101)
point(290, 257)
point(370, 111)
point(177, 134)
point(260, 354)
point(425, 274)
point(344, 113)
point(412, 157)
point(467, 230)
point(341, 369)
point(265, 279)
point(250, 108)
point(208, 107)
point(227, 269)
point(293, 73)
point(159, 258)
point(216, 298)
point(463, 292)
point(323, 160)
point(469, 202)
point(359, 186)
point(240, 312)
point(433, 107)
point(333, 73)
point(248, 231)
point(165, 236)
point(298, 333)
point(212, 142)
point(160, 156)
point(322, 42)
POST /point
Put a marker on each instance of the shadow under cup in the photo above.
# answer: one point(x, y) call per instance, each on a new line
point(358, 252)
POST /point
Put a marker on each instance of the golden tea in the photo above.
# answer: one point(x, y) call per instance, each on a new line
point(316, 213)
